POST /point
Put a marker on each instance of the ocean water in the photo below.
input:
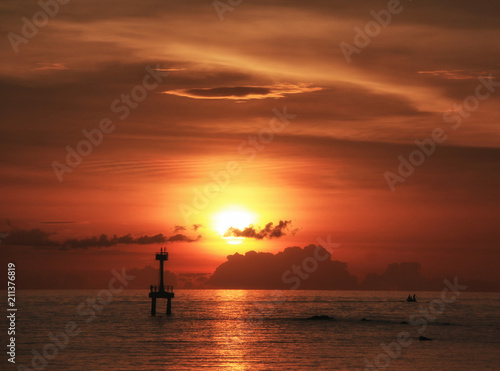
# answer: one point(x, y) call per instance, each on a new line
point(257, 330)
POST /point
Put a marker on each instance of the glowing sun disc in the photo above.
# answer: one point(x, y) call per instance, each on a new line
point(232, 218)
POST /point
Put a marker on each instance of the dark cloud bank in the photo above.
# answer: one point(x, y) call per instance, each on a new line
point(266, 271)
point(294, 268)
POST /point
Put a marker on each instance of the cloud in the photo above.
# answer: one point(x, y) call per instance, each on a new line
point(397, 276)
point(244, 92)
point(58, 222)
point(41, 239)
point(285, 269)
point(33, 237)
point(101, 241)
point(193, 280)
point(170, 69)
point(455, 74)
point(269, 231)
point(50, 66)
point(258, 270)
point(181, 228)
point(105, 241)
point(182, 238)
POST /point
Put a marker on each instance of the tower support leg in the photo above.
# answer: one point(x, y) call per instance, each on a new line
point(153, 306)
point(169, 306)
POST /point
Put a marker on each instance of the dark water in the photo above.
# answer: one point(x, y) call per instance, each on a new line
point(258, 330)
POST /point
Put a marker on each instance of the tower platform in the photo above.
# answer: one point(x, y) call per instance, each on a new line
point(167, 293)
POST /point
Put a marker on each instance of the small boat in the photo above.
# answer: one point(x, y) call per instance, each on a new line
point(411, 299)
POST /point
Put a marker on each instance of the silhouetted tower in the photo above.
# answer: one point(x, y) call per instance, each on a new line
point(161, 292)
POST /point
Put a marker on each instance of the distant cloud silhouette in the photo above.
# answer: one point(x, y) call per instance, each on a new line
point(258, 270)
point(32, 237)
point(182, 238)
point(193, 280)
point(399, 276)
point(41, 239)
point(105, 241)
point(269, 231)
point(181, 228)
point(144, 277)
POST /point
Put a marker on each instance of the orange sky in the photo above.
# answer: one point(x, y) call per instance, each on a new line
point(220, 82)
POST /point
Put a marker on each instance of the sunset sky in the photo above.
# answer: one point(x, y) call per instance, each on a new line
point(214, 84)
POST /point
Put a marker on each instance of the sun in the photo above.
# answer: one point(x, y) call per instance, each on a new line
point(236, 218)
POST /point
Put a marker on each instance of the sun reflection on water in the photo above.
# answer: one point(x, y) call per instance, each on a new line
point(232, 340)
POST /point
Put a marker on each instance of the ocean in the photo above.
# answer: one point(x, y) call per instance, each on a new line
point(256, 330)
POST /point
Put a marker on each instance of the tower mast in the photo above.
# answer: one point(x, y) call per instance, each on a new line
point(163, 291)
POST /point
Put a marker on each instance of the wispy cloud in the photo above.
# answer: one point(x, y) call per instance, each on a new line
point(58, 222)
point(179, 228)
point(170, 69)
point(50, 66)
point(269, 231)
point(105, 241)
point(32, 237)
point(244, 92)
point(455, 74)
point(42, 239)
